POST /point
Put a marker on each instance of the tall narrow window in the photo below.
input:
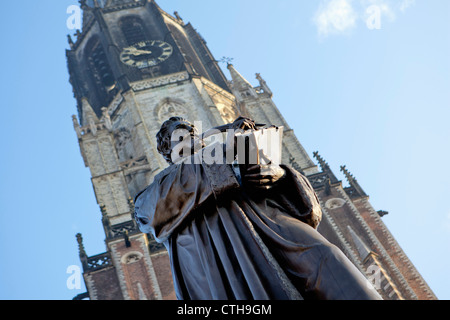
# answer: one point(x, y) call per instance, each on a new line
point(133, 30)
point(101, 71)
point(101, 66)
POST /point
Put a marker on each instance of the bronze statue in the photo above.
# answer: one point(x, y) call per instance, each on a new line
point(234, 235)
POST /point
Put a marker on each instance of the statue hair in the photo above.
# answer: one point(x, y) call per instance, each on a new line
point(163, 137)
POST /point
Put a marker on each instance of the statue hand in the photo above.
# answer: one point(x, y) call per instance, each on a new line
point(264, 176)
point(243, 123)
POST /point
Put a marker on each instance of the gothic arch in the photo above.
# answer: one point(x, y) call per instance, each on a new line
point(133, 29)
point(335, 203)
point(171, 107)
point(100, 71)
point(131, 257)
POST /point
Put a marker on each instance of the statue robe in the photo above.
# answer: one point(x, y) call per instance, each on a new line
point(228, 242)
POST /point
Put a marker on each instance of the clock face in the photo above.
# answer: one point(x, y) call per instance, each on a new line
point(146, 54)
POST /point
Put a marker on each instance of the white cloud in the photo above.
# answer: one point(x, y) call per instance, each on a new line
point(389, 7)
point(405, 4)
point(341, 16)
point(385, 7)
point(335, 16)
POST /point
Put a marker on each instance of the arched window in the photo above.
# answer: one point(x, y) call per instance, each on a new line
point(100, 70)
point(133, 30)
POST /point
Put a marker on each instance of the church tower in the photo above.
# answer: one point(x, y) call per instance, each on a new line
point(132, 66)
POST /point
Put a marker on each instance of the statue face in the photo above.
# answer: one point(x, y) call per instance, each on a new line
point(184, 140)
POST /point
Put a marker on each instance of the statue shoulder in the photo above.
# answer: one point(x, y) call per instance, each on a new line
point(159, 178)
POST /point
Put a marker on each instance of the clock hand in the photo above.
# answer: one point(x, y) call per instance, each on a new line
point(136, 51)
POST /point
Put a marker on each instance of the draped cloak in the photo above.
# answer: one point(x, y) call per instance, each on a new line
point(232, 242)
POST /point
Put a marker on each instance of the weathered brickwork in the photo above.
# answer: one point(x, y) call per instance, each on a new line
point(161, 264)
point(393, 249)
point(103, 285)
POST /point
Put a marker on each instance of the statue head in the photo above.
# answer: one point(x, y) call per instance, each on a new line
point(175, 134)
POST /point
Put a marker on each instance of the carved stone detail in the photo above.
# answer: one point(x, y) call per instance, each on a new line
point(318, 180)
point(131, 257)
point(98, 262)
point(334, 203)
point(170, 108)
point(228, 113)
point(160, 81)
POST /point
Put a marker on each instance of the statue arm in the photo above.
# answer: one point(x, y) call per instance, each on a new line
point(301, 197)
point(294, 193)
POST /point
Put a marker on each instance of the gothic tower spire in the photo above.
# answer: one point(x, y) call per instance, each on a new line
point(119, 46)
point(325, 167)
point(82, 251)
point(240, 84)
point(355, 190)
point(263, 85)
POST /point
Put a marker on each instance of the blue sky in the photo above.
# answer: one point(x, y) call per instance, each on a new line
point(374, 97)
